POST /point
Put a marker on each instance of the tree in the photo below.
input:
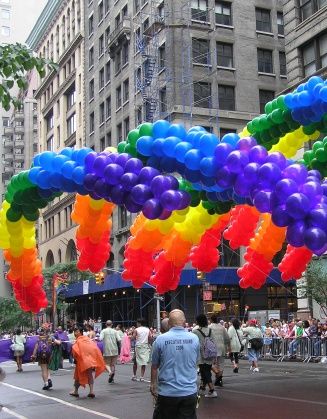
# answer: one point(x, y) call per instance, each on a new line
point(15, 61)
point(12, 316)
point(315, 286)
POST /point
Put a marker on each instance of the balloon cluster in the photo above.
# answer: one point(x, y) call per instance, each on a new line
point(93, 233)
point(294, 262)
point(182, 217)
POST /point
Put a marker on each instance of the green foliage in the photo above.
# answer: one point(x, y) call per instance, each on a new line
point(15, 61)
point(316, 283)
point(12, 316)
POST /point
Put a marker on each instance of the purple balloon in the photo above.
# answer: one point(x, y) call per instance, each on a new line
point(313, 191)
point(174, 184)
point(315, 173)
point(251, 171)
point(101, 188)
point(277, 158)
point(280, 216)
point(184, 200)
point(132, 206)
point(321, 251)
point(297, 206)
point(122, 159)
point(258, 154)
point(222, 151)
point(165, 214)
point(318, 218)
point(236, 161)
point(141, 193)
point(159, 185)
point(284, 188)
point(170, 200)
point(113, 173)
point(314, 238)
point(324, 188)
point(296, 172)
point(133, 165)
point(89, 181)
point(152, 209)
point(246, 143)
point(269, 174)
point(224, 178)
point(118, 195)
point(100, 164)
point(295, 233)
point(262, 201)
point(128, 181)
point(147, 174)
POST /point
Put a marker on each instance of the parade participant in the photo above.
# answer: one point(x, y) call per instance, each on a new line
point(58, 350)
point(110, 339)
point(222, 341)
point(174, 356)
point(90, 332)
point(42, 354)
point(255, 336)
point(88, 359)
point(202, 331)
point(18, 343)
point(236, 345)
point(125, 351)
point(142, 338)
point(120, 333)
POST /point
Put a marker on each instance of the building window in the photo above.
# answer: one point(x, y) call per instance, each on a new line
point(101, 45)
point(101, 79)
point(91, 57)
point(101, 113)
point(91, 25)
point(138, 115)
point(202, 94)
point(126, 90)
point(163, 100)
point(5, 122)
point(119, 133)
point(136, 6)
point(309, 7)
point(265, 61)
point(5, 31)
point(91, 89)
point(146, 25)
point(199, 10)
point(162, 56)
point(282, 63)
point(118, 97)
point(224, 131)
point(223, 13)
point(126, 126)
point(108, 139)
point(315, 55)
point(262, 17)
point(107, 35)
point(50, 120)
point(102, 143)
point(125, 53)
point(118, 61)
point(265, 96)
point(280, 23)
point(50, 143)
point(124, 11)
point(5, 14)
point(224, 55)
point(106, 6)
point(108, 107)
point(107, 72)
point(91, 122)
point(226, 97)
point(71, 98)
point(100, 11)
point(71, 125)
point(122, 217)
point(200, 51)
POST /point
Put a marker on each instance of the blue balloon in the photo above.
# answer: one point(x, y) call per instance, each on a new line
point(181, 149)
point(313, 81)
point(68, 168)
point(36, 160)
point(78, 175)
point(176, 130)
point(231, 139)
point(208, 143)
point(193, 159)
point(144, 145)
point(46, 160)
point(81, 155)
point(154, 162)
point(192, 175)
point(68, 185)
point(58, 162)
point(208, 166)
point(89, 161)
point(196, 128)
point(157, 147)
point(43, 179)
point(160, 129)
point(55, 180)
point(169, 146)
point(33, 173)
point(67, 151)
point(167, 164)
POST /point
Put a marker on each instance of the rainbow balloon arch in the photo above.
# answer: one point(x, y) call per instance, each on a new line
point(190, 190)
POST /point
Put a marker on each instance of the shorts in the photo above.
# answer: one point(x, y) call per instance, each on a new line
point(18, 353)
point(253, 355)
point(110, 360)
point(220, 362)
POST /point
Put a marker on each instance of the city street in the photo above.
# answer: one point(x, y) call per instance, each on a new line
point(280, 390)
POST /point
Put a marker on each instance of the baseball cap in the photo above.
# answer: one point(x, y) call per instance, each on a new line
point(253, 322)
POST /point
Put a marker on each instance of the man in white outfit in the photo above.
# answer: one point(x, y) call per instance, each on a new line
point(110, 339)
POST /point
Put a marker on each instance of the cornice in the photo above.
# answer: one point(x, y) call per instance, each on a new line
point(58, 206)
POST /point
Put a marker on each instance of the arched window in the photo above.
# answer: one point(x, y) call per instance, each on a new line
point(121, 256)
point(68, 25)
point(57, 43)
point(59, 256)
point(49, 260)
point(111, 260)
point(71, 252)
point(51, 47)
point(63, 32)
point(73, 19)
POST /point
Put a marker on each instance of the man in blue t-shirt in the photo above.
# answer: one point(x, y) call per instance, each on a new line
point(175, 355)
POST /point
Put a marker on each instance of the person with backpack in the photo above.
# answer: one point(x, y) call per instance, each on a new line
point(42, 354)
point(222, 341)
point(255, 343)
point(208, 354)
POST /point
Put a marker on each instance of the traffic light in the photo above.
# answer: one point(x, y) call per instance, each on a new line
point(200, 275)
point(99, 278)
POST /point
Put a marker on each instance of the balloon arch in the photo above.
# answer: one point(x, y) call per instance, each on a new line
point(190, 189)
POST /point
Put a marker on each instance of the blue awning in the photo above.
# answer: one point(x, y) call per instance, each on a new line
point(220, 276)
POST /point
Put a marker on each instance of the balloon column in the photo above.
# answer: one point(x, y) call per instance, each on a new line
point(190, 188)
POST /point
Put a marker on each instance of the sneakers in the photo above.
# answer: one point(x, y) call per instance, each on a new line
point(235, 370)
point(111, 378)
point(134, 378)
point(219, 382)
point(45, 387)
point(251, 368)
point(49, 383)
point(255, 370)
point(211, 395)
point(141, 379)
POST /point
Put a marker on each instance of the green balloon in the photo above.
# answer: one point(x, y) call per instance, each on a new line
point(146, 129)
point(31, 216)
point(281, 102)
point(308, 156)
point(317, 165)
point(321, 155)
point(211, 211)
point(277, 116)
point(12, 215)
point(268, 107)
point(121, 147)
point(130, 150)
point(133, 136)
point(309, 129)
point(317, 145)
point(8, 197)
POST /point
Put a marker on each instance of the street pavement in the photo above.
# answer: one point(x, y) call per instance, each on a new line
point(278, 391)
